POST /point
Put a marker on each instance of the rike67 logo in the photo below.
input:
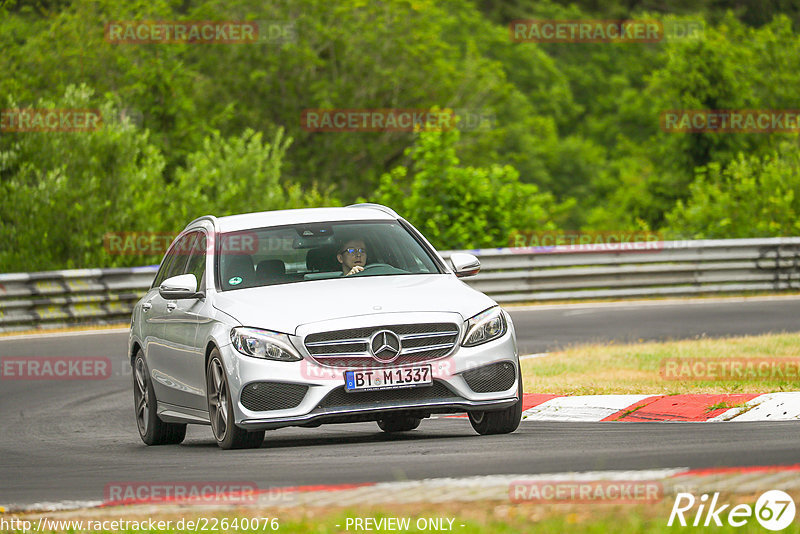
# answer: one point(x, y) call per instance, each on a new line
point(774, 510)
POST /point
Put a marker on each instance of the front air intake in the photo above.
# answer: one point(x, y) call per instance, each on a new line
point(490, 378)
point(266, 396)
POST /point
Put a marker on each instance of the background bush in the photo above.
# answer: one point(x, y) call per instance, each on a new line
point(575, 142)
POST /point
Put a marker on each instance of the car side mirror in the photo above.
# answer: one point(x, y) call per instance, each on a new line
point(465, 264)
point(183, 286)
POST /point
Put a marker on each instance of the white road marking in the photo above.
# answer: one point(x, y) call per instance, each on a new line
point(581, 408)
point(784, 406)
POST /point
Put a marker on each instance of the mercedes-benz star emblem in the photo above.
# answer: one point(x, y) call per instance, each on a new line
point(385, 346)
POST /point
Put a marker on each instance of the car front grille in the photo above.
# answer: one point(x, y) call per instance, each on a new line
point(350, 348)
point(489, 378)
point(265, 396)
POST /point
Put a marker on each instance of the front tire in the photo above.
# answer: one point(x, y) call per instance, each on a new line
point(152, 429)
point(500, 422)
point(399, 423)
point(220, 410)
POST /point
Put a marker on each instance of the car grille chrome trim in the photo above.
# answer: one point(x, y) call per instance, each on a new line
point(419, 342)
point(430, 334)
point(341, 354)
point(414, 350)
point(337, 342)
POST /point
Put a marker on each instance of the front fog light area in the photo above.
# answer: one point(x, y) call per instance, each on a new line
point(264, 344)
point(484, 327)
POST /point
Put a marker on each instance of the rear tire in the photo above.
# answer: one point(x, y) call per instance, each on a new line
point(499, 422)
point(399, 423)
point(152, 429)
point(220, 410)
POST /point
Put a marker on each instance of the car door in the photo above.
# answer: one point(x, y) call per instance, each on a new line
point(153, 311)
point(184, 360)
point(171, 331)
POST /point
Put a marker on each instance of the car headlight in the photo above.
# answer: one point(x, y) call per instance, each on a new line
point(264, 344)
point(485, 327)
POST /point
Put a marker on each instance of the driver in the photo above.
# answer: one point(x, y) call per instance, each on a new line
point(353, 256)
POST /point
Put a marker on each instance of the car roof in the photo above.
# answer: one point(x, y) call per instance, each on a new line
point(245, 221)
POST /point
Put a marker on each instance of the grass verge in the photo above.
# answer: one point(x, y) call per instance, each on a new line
point(603, 369)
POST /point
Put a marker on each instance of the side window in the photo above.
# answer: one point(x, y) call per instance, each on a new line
point(162, 271)
point(175, 261)
point(197, 260)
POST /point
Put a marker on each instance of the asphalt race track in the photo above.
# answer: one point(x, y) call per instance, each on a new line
point(65, 440)
point(548, 327)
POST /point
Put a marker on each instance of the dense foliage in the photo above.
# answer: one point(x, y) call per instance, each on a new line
point(574, 141)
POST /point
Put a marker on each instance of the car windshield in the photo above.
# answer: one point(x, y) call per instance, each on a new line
point(305, 252)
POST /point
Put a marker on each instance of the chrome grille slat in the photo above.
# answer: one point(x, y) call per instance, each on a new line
point(432, 334)
point(419, 343)
point(413, 350)
point(341, 354)
point(338, 342)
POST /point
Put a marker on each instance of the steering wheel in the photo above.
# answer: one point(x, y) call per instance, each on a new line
point(373, 265)
point(377, 267)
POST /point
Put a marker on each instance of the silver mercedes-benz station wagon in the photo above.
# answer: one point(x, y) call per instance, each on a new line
point(327, 315)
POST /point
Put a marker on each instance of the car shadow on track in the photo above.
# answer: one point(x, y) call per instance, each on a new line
point(331, 437)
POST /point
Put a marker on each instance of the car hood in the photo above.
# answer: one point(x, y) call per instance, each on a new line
point(284, 308)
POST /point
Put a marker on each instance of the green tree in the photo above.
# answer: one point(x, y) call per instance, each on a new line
point(60, 192)
point(729, 66)
point(751, 197)
point(459, 207)
point(235, 175)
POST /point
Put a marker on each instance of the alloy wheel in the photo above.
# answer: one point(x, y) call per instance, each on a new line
point(141, 397)
point(218, 400)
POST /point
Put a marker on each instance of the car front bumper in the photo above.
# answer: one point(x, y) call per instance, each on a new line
point(325, 400)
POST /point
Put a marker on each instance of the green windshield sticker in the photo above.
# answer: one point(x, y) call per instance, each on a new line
point(235, 281)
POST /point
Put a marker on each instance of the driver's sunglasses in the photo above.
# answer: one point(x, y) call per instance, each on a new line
point(352, 250)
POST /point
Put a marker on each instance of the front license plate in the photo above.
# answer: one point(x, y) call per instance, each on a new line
point(403, 377)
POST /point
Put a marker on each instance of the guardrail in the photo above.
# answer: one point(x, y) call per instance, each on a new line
point(647, 269)
point(623, 270)
point(61, 298)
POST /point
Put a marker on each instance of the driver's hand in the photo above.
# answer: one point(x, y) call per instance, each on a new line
point(354, 270)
